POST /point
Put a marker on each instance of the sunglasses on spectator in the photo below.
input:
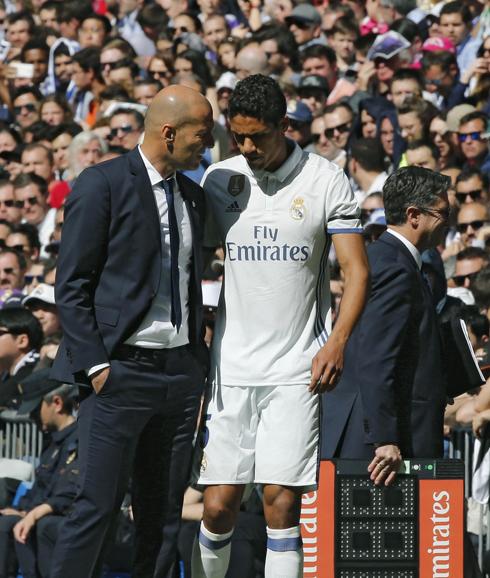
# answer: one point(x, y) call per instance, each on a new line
point(159, 73)
point(435, 81)
point(475, 225)
point(32, 201)
point(126, 129)
point(110, 65)
point(459, 280)
point(30, 107)
point(30, 278)
point(434, 133)
point(12, 203)
point(315, 137)
point(330, 132)
point(19, 248)
point(463, 136)
point(475, 195)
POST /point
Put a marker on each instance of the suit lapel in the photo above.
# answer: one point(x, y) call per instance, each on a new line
point(145, 193)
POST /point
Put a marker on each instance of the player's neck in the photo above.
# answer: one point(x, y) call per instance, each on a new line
point(284, 151)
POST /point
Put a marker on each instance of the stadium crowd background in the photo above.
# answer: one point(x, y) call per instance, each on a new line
point(372, 85)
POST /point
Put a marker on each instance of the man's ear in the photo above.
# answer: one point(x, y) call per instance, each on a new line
point(168, 133)
point(413, 215)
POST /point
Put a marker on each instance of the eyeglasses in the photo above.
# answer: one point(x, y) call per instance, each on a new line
point(9, 203)
point(30, 107)
point(434, 133)
point(31, 278)
point(459, 280)
point(159, 73)
point(341, 128)
point(435, 81)
point(475, 195)
point(19, 248)
point(109, 65)
point(126, 129)
point(463, 136)
point(475, 225)
point(442, 214)
point(30, 200)
point(315, 137)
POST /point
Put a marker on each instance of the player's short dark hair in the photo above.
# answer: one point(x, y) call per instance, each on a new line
point(412, 186)
point(259, 97)
point(368, 153)
point(18, 321)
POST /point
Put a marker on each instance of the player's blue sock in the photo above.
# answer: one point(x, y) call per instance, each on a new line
point(284, 553)
point(210, 554)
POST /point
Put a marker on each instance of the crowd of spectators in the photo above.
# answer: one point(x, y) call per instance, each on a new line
point(371, 85)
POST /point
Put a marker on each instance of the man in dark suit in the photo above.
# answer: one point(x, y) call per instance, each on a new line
point(129, 298)
point(391, 397)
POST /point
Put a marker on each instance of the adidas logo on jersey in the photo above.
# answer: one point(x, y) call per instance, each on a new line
point(233, 208)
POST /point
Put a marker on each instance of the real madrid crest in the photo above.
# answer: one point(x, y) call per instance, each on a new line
point(297, 209)
point(236, 184)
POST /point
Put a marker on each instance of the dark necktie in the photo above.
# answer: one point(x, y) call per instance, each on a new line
point(176, 314)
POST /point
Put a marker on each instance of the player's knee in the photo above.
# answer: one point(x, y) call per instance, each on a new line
point(219, 517)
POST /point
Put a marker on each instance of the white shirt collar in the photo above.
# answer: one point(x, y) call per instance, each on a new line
point(154, 176)
point(410, 246)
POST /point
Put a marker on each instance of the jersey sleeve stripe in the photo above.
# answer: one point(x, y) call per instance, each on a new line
point(344, 218)
point(354, 230)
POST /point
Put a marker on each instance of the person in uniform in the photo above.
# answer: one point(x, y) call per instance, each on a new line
point(276, 209)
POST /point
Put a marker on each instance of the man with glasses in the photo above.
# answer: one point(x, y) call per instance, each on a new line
point(12, 269)
point(338, 122)
point(126, 128)
point(10, 206)
point(305, 24)
point(471, 185)
point(32, 190)
point(471, 218)
point(473, 140)
point(469, 262)
point(391, 396)
point(26, 103)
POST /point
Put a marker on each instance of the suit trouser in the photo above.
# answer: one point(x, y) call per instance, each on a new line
point(141, 424)
point(7, 556)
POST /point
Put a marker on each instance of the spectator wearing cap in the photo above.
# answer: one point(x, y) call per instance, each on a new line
point(300, 117)
point(322, 61)
point(366, 167)
point(25, 240)
point(26, 102)
point(313, 91)
point(371, 203)
point(341, 37)
point(473, 135)
point(471, 186)
point(10, 206)
point(12, 269)
point(371, 23)
point(41, 303)
point(392, 10)
point(20, 340)
point(305, 24)
point(421, 153)
point(455, 23)
point(251, 59)
point(375, 225)
point(338, 120)
point(32, 190)
point(55, 479)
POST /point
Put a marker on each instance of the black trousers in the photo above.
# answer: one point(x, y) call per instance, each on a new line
point(141, 424)
point(8, 562)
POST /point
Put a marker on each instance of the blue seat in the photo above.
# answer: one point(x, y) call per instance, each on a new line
point(22, 490)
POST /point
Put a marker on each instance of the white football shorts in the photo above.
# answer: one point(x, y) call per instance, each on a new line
point(266, 435)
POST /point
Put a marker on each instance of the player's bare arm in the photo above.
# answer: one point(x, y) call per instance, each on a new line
point(327, 364)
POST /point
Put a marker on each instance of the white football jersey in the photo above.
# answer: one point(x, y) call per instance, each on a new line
point(274, 309)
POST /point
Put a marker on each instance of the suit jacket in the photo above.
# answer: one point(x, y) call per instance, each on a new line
point(110, 262)
point(392, 389)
